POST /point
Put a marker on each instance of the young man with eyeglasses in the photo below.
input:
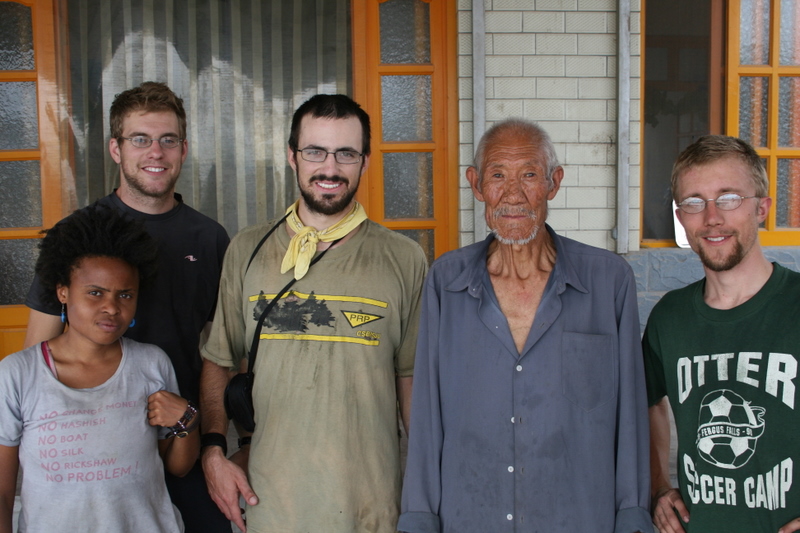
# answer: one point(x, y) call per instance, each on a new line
point(335, 354)
point(724, 350)
point(148, 141)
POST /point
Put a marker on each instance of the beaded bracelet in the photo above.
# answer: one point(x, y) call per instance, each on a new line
point(188, 423)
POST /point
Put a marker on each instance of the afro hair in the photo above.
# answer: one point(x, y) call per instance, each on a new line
point(95, 231)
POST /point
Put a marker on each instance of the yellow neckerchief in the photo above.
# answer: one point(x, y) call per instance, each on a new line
point(303, 245)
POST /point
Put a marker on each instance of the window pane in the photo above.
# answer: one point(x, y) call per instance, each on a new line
point(16, 37)
point(17, 260)
point(424, 237)
point(19, 127)
point(753, 99)
point(408, 185)
point(754, 32)
point(676, 100)
point(788, 201)
point(406, 108)
point(789, 113)
point(405, 32)
point(790, 32)
point(20, 194)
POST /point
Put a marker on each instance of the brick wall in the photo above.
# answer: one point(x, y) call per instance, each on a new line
point(554, 62)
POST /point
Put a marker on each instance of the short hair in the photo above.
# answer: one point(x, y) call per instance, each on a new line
point(333, 106)
point(530, 131)
point(149, 97)
point(95, 231)
point(711, 148)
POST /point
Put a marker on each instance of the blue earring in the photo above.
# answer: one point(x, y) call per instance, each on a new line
point(63, 314)
point(133, 323)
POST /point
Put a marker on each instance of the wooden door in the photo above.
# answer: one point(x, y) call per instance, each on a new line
point(30, 153)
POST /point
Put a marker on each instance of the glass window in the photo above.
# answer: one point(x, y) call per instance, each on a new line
point(406, 108)
point(754, 32)
point(753, 108)
point(20, 194)
point(19, 125)
point(16, 37)
point(17, 261)
point(790, 33)
point(678, 100)
point(788, 114)
point(408, 185)
point(788, 195)
point(405, 31)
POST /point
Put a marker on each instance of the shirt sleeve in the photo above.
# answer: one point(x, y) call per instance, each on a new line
point(405, 354)
point(633, 430)
point(42, 300)
point(10, 402)
point(226, 344)
point(653, 368)
point(222, 243)
point(422, 486)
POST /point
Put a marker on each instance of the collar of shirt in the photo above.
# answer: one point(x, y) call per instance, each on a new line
point(471, 278)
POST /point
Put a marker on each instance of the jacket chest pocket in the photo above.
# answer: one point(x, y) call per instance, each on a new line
point(588, 369)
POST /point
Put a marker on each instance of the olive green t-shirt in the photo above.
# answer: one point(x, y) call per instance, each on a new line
point(325, 452)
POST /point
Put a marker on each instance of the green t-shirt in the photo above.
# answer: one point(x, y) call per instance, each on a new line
point(325, 452)
point(731, 378)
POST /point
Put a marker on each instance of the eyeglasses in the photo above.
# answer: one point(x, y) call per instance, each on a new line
point(343, 157)
point(166, 142)
point(725, 202)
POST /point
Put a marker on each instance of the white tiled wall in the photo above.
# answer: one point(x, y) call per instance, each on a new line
point(554, 62)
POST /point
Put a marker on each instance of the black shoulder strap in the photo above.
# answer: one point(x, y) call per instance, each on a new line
point(251, 357)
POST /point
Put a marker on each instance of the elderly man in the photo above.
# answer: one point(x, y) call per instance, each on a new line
point(724, 351)
point(528, 409)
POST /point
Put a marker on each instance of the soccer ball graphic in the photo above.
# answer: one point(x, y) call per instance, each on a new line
point(729, 428)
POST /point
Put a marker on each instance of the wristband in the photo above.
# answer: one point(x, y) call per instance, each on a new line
point(245, 441)
point(214, 439)
point(188, 423)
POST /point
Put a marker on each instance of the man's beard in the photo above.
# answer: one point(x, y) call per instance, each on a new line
point(137, 185)
point(726, 263)
point(503, 211)
point(518, 242)
point(327, 204)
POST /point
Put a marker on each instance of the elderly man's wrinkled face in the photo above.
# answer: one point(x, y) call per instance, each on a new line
point(515, 188)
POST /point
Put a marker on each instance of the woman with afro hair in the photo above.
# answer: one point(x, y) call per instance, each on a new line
point(89, 415)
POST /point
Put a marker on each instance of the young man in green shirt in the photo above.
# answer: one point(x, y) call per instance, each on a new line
point(724, 351)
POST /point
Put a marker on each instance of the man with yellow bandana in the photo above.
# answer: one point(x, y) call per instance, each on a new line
point(335, 355)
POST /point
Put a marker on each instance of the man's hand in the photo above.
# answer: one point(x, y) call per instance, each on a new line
point(666, 504)
point(226, 479)
point(165, 408)
point(794, 525)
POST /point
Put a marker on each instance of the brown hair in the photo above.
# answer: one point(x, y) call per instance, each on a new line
point(712, 148)
point(332, 106)
point(149, 97)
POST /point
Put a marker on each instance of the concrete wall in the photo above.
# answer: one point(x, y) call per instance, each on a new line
point(660, 270)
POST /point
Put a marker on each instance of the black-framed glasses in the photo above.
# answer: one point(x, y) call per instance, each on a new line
point(343, 157)
point(726, 202)
point(166, 142)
